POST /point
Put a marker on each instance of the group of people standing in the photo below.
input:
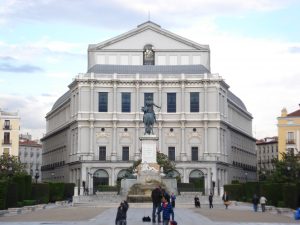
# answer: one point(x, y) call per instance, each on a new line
point(198, 204)
point(165, 203)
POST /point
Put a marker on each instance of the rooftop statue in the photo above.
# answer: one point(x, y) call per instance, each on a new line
point(149, 117)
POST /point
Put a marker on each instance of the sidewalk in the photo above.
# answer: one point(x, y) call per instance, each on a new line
point(105, 215)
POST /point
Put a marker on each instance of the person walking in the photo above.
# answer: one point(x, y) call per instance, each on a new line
point(225, 199)
point(122, 213)
point(263, 202)
point(210, 199)
point(167, 211)
point(255, 201)
point(173, 198)
point(156, 196)
point(197, 202)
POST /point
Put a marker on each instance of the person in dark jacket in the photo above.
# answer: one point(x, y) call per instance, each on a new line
point(167, 210)
point(156, 196)
point(255, 201)
point(122, 213)
point(210, 199)
point(197, 202)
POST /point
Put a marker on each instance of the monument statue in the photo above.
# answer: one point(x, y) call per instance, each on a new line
point(149, 117)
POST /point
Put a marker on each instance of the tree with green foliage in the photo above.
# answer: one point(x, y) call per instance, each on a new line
point(286, 170)
point(10, 165)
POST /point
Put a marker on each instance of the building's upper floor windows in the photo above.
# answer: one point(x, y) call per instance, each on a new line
point(290, 138)
point(102, 153)
point(194, 102)
point(148, 55)
point(103, 100)
point(171, 102)
point(194, 153)
point(126, 102)
point(7, 125)
point(171, 153)
point(6, 138)
point(125, 153)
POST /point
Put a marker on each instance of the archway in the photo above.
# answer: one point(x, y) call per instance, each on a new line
point(100, 177)
point(197, 178)
point(175, 174)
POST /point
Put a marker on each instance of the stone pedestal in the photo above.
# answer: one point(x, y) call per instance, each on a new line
point(149, 146)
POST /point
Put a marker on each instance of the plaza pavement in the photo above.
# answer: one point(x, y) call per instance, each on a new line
point(184, 214)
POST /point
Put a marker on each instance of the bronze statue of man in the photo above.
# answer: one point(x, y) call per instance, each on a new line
point(149, 117)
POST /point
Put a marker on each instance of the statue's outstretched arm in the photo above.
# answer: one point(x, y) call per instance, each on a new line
point(156, 106)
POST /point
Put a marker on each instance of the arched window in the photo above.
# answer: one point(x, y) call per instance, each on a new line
point(148, 55)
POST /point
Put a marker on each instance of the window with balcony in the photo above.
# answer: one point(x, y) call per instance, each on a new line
point(290, 138)
point(6, 125)
point(194, 153)
point(126, 102)
point(171, 102)
point(103, 99)
point(6, 138)
point(171, 153)
point(102, 153)
point(194, 102)
point(125, 153)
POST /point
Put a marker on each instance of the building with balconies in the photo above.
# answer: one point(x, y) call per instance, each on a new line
point(30, 155)
point(266, 152)
point(289, 132)
point(93, 130)
point(9, 132)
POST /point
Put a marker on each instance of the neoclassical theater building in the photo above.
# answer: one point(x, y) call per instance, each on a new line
point(93, 130)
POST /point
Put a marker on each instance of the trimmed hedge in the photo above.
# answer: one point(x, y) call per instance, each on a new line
point(235, 191)
point(12, 195)
point(69, 190)
point(290, 195)
point(106, 188)
point(3, 194)
point(20, 181)
point(250, 189)
point(40, 193)
point(29, 202)
point(27, 190)
point(56, 191)
point(273, 192)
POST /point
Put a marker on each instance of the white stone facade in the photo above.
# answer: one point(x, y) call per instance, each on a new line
point(218, 134)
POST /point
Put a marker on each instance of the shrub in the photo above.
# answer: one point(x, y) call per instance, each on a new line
point(290, 195)
point(56, 192)
point(251, 188)
point(235, 191)
point(69, 190)
point(19, 204)
point(12, 195)
point(27, 190)
point(40, 193)
point(29, 202)
point(3, 194)
point(273, 192)
point(280, 204)
point(20, 181)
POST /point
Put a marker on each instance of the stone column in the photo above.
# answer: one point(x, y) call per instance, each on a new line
point(114, 144)
point(137, 150)
point(183, 156)
point(160, 137)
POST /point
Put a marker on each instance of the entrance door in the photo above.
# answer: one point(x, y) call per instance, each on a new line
point(100, 177)
point(197, 178)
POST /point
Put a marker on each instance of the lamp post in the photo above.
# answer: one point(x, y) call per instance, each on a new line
point(52, 176)
point(246, 177)
point(37, 175)
point(10, 171)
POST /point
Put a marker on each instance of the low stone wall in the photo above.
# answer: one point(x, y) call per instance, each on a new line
point(105, 197)
point(21, 210)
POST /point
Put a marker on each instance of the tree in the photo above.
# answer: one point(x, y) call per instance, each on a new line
point(10, 165)
point(287, 169)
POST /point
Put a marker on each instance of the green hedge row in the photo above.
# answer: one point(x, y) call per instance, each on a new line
point(277, 194)
point(19, 191)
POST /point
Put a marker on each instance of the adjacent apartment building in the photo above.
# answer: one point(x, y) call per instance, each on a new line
point(30, 154)
point(266, 151)
point(289, 132)
point(9, 132)
point(93, 130)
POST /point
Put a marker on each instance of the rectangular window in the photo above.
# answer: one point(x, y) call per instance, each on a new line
point(171, 153)
point(146, 95)
point(194, 153)
point(126, 102)
point(290, 138)
point(171, 102)
point(6, 138)
point(194, 102)
point(103, 98)
point(125, 153)
point(102, 153)
point(6, 124)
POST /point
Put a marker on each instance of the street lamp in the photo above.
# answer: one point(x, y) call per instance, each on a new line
point(37, 175)
point(52, 175)
point(246, 177)
point(9, 171)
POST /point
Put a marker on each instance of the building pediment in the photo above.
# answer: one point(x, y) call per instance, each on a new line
point(148, 33)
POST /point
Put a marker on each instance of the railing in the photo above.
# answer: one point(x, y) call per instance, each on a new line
point(6, 127)
point(290, 141)
point(6, 142)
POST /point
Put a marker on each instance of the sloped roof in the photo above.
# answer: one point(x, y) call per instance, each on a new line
point(29, 143)
point(61, 100)
point(236, 100)
point(148, 69)
point(295, 113)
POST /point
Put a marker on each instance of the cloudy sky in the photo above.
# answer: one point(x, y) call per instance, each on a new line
point(255, 47)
